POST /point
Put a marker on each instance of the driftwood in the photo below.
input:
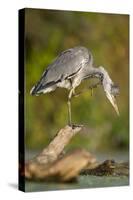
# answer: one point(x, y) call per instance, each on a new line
point(56, 146)
point(52, 165)
point(64, 169)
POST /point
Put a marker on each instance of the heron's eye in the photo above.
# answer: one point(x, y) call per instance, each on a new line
point(115, 90)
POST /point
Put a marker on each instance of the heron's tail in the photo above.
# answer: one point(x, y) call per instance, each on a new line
point(33, 90)
point(40, 88)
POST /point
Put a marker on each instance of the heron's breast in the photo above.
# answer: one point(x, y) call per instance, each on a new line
point(65, 84)
point(76, 81)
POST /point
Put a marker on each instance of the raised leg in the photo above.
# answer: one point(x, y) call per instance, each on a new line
point(86, 90)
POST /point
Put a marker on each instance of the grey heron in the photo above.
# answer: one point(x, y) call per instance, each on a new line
point(69, 69)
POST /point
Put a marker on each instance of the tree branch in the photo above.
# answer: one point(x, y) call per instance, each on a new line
point(48, 165)
point(56, 146)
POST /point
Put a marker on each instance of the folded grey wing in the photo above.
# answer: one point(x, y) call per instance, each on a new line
point(66, 65)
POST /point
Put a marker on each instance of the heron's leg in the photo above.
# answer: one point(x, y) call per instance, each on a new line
point(69, 107)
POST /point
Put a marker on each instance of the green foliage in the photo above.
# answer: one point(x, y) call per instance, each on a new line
point(106, 35)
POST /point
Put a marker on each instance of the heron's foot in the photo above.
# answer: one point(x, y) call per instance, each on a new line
point(77, 94)
point(76, 125)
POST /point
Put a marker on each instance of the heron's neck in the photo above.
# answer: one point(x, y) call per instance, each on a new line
point(106, 77)
point(103, 75)
point(100, 73)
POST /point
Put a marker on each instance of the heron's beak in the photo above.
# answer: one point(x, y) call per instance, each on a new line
point(112, 100)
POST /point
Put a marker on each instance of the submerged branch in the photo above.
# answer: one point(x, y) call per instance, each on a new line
point(108, 167)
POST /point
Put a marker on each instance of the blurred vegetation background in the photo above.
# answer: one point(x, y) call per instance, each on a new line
point(47, 33)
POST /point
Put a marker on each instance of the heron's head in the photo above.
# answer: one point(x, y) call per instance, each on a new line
point(111, 95)
point(111, 90)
